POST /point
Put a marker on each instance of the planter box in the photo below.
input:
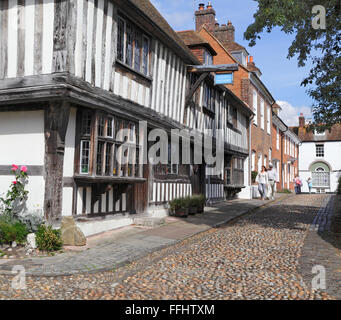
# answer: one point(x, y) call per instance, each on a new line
point(200, 209)
point(181, 213)
point(192, 210)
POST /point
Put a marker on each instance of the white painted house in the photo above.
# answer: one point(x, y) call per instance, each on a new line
point(319, 157)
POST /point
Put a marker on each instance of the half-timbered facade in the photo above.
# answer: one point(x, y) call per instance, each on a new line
point(73, 75)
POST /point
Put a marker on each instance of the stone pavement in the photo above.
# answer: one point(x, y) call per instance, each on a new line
point(256, 256)
point(121, 247)
point(320, 249)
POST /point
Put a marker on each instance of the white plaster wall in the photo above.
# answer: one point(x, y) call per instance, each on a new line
point(246, 192)
point(22, 142)
point(307, 155)
point(95, 227)
point(67, 201)
point(22, 138)
point(69, 155)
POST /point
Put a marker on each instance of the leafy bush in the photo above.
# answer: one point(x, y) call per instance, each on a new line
point(177, 204)
point(199, 200)
point(48, 239)
point(32, 221)
point(254, 176)
point(16, 196)
point(12, 231)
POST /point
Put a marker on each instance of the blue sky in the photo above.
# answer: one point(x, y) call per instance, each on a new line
point(281, 76)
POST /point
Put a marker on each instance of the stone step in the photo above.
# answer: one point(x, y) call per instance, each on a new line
point(149, 222)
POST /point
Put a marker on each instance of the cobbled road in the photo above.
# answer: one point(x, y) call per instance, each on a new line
point(255, 257)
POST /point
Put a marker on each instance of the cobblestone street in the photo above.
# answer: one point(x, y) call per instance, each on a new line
point(258, 256)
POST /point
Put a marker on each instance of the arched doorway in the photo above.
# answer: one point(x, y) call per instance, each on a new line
point(320, 173)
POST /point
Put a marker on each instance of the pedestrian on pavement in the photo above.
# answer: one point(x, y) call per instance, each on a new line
point(262, 179)
point(310, 184)
point(298, 184)
point(272, 179)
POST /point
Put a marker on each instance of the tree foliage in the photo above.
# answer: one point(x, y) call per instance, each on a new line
point(321, 46)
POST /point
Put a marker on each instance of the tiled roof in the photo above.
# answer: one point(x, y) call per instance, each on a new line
point(153, 14)
point(192, 38)
point(308, 135)
point(233, 46)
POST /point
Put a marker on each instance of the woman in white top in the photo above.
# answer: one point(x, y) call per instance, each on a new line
point(262, 179)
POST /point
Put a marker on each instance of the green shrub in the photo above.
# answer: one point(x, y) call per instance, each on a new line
point(12, 231)
point(198, 200)
point(254, 176)
point(188, 202)
point(177, 204)
point(48, 239)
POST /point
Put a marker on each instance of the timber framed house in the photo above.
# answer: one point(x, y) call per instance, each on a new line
point(72, 75)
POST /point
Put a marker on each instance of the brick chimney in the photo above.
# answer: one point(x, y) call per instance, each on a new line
point(225, 33)
point(301, 120)
point(205, 17)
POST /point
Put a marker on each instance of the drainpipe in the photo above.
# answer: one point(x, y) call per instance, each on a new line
point(250, 156)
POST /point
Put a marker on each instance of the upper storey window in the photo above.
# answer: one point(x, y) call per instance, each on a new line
point(132, 46)
point(208, 58)
point(240, 56)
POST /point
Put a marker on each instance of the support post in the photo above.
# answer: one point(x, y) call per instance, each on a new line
point(56, 122)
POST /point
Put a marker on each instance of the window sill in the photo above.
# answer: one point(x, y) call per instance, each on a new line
point(137, 73)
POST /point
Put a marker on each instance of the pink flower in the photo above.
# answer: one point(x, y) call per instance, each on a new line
point(14, 182)
point(23, 169)
point(14, 167)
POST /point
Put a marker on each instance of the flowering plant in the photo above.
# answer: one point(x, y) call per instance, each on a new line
point(15, 200)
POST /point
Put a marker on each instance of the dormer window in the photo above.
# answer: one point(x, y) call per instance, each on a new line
point(208, 58)
point(241, 56)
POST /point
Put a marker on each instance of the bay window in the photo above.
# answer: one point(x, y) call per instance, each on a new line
point(110, 159)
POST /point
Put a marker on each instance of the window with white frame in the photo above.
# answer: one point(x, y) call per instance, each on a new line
point(277, 138)
point(270, 155)
point(285, 144)
point(255, 107)
point(259, 162)
point(132, 46)
point(265, 161)
point(319, 150)
point(268, 115)
point(262, 119)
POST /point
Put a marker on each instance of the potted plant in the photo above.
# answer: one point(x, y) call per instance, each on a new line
point(200, 203)
point(191, 203)
point(178, 207)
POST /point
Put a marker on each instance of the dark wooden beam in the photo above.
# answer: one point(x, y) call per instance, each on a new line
point(56, 122)
point(214, 68)
point(195, 87)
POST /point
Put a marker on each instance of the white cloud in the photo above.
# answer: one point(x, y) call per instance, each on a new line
point(290, 114)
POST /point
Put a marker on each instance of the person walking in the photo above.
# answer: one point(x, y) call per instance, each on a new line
point(310, 184)
point(262, 179)
point(272, 179)
point(298, 184)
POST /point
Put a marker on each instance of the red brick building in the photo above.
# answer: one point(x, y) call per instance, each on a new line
point(247, 84)
point(285, 151)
